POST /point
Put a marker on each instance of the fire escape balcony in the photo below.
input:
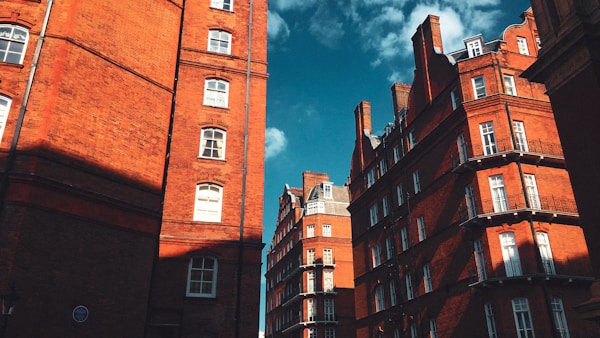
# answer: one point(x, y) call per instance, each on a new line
point(320, 319)
point(301, 294)
point(502, 151)
point(296, 269)
point(557, 271)
point(512, 209)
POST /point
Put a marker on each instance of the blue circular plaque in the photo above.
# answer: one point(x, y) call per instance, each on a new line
point(80, 313)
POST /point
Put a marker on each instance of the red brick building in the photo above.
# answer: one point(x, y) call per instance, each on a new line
point(467, 192)
point(127, 127)
point(309, 263)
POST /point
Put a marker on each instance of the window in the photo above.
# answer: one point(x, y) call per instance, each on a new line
point(532, 192)
point(371, 177)
point(379, 298)
point(522, 44)
point(312, 333)
point(421, 228)
point(326, 230)
point(216, 93)
point(310, 230)
point(412, 139)
point(396, 333)
point(462, 148)
point(389, 247)
point(330, 332)
point(491, 322)
point(314, 208)
point(470, 199)
point(328, 281)
point(479, 87)
point(310, 281)
point(509, 85)
point(409, 287)
point(474, 48)
point(416, 181)
point(479, 260)
point(396, 154)
point(329, 309)
point(327, 256)
point(212, 143)
point(208, 203)
point(202, 277)
point(498, 193)
point(488, 138)
point(432, 328)
point(382, 167)
point(373, 214)
point(427, 278)
point(559, 317)
point(520, 137)
point(455, 98)
point(510, 254)
point(13, 42)
point(413, 331)
point(404, 238)
point(327, 192)
point(219, 41)
point(310, 256)
point(5, 103)
point(311, 311)
point(400, 194)
point(545, 252)
point(538, 43)
point(393, 299)
point(376, 253)
point(522, 318)
point(222, 4)
point(385, 206)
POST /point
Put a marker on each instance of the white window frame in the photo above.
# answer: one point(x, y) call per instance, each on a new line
point(389, 247)
point(327, 190)
point(328, 256)
point(409, 288)
point(212, 143)
point(520, 137)
point(522, 316)
point(510, 254)
point(310, 231)
point(226, 5)
point(490, 320)
point(310, 282)
point(393, 297)
point(498, 191)
point(379, 298)
point(329, 309)
point(385, 204)
point(328, 285)
point(404, 238)
point(382, 167)
point(416, 181)
point(433, 328)
point(216, 93)
point(414, 333)
point(532, 191)
point(543, 243)
point(208, 203)
point(219, 41)
point(5, 103)
point(479, 260)
point(207, 275)
point(421, 228)
point(461, 144)
point(479, 89)
point(455, 98)
point(522, 45)
point(310, 256)
point(329, 332)
point(311, 310)
point(373, 214)
point(16, 38)
point(470, 200)
point(427, 284)
point(370, 177)
point(488, 138)
point(559, 317)
point(412, 139)
point(376, 255)
point(509, 85)
point(400, 194)
point(396, 153)
point(474, 47)
point(326, 230)
point(312, 333)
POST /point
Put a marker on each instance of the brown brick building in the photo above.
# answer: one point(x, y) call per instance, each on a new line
point(128, 129)
point(463, 218)
point(309, 263)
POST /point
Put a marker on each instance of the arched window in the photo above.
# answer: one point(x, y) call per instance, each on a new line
point(222, 4)
point(208, 203)
point(219, 41)
point(4, 108)
point(202, 277)
point(212, 143)
point(13, 40)
point(216, 93)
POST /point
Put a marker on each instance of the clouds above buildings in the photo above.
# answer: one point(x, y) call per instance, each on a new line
point(275, 142)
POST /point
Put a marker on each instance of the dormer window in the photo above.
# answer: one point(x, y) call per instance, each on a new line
point(327, 190)
point(474, 45)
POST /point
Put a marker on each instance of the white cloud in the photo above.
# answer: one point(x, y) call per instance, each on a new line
point(277, 27)
point(276, 142)
point(325, 27)
point(285, 5)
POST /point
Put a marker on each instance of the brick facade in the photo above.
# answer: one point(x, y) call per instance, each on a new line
point(470, 183)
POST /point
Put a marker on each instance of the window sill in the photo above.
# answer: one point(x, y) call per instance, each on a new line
point(12, 65)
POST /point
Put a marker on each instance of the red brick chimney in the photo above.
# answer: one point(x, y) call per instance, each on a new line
point(310, 180)
point(427, 41)
point(400, 93)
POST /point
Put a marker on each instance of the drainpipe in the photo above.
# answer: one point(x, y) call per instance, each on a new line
point(13, 146)
point(238, 300)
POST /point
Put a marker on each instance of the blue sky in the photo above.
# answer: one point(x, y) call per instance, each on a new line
point(325, 56)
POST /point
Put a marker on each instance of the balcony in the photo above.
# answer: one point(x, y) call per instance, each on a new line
point(319, 319)
point(297, 268)
point(301, 294)
point(534, 152)
point(513, 209)
point(562, 271)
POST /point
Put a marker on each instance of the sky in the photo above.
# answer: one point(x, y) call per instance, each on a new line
point(325, 56)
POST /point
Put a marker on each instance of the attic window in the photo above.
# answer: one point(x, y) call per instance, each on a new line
point(327, 190)
point(474, 45)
